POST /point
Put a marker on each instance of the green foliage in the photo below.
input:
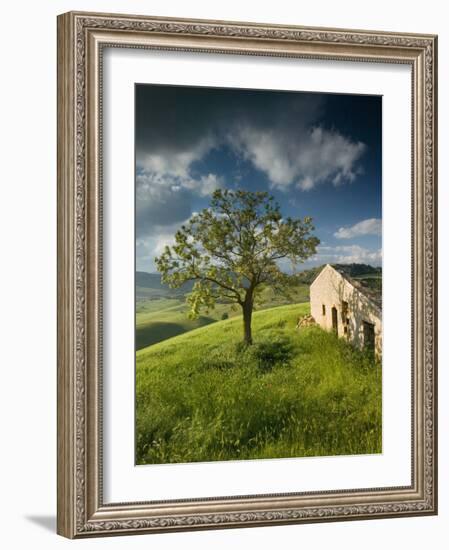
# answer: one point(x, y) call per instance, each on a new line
point(225, 316)
point(157, 320)
point(201, 397)
point(373, 283)
point(355, 271)
point(231, 251)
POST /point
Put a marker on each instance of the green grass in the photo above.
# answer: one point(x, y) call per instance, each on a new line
point(202, 397)
point(150, 306)
point(158, 319)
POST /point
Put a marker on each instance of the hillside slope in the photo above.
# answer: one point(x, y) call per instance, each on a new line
point(201, 397)
point(161, 318)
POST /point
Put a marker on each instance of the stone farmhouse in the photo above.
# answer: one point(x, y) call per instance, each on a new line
point(351, 310)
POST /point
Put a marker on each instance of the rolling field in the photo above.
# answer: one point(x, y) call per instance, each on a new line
point(200, 396)
point(157, 320)
point(164, 317)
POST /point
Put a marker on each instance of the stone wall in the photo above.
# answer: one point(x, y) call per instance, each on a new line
point(331, 290)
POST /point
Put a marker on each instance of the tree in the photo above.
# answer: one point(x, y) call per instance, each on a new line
point(232, 250)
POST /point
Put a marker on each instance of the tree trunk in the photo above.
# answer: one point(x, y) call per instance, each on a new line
point(247, 315)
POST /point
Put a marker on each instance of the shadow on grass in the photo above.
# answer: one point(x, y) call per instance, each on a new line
point(158, 332)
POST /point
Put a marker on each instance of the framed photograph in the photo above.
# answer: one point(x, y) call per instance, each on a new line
point(246, 274)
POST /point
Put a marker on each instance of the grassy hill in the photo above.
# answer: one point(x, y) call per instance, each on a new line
point(201, 397)
point(163, 317)
point(158, 320)
point(161, 312)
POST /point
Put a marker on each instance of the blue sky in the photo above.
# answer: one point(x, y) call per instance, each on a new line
point(318, 154)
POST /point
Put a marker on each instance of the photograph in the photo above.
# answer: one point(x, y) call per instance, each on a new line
point(247, 273)
point(258, 274)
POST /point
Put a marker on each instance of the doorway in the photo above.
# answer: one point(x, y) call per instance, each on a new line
point(368, 336)
point(335, 320)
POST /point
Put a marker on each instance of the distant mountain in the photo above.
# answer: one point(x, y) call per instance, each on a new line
point(149, 280)
point(153, 280)
point(150, 285)
point(359, 270)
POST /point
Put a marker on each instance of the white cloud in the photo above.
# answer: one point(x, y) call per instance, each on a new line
point(162, 198)
point(160, 201)
point(205, 185)
point(348, 254)
point(154, 184)
point(371, 226)
point(300, 157)
point(150, 246)
point(172, 169)
point(161, 241)
point(175, 162)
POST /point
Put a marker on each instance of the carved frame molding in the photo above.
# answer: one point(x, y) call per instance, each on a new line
point(81, 39)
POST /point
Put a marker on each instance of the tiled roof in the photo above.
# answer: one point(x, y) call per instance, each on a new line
point(375, 296)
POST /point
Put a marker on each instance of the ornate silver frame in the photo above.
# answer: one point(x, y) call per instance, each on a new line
point(81, 38)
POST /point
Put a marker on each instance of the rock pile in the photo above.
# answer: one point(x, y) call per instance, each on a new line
point(305, 321)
